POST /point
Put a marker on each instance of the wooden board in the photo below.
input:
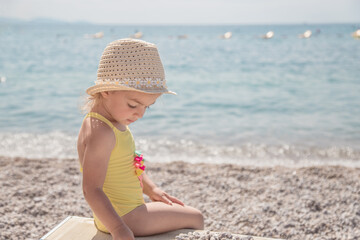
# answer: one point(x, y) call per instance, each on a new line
point(76, 228)
point(81, 228)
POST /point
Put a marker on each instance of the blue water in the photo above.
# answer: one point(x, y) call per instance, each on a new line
point(245, 97)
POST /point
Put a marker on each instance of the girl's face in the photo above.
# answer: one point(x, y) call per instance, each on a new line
point(126, 107)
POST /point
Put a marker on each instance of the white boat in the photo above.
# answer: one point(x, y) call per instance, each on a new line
point(226, 35)
point(137, 35)
point(96, 35)
point(306, 34)
point(268, 35)
point(356, 34)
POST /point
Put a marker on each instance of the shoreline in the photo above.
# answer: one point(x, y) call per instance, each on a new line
point(59, 144)
point(280, 202)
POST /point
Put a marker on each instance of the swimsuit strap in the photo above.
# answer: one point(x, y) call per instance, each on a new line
point(102, 118)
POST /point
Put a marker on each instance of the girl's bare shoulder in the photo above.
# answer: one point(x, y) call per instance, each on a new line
point(94, 130)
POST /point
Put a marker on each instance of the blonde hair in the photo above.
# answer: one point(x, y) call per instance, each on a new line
point(91, 101)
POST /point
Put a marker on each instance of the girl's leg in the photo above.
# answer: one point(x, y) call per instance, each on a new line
point(157, 217)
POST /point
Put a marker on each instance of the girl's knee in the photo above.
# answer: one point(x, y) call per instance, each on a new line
point(199, 220)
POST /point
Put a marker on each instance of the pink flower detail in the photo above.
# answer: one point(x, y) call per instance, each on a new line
point(139, 165)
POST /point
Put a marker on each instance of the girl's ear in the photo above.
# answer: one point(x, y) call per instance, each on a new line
point(105, 94)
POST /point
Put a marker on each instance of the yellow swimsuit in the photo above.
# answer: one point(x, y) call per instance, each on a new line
point(121, 186)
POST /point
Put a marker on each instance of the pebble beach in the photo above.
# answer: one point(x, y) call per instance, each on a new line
point(318, 202)
point(262, 137)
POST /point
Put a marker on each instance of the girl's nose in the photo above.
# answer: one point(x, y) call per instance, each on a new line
point(140, 113)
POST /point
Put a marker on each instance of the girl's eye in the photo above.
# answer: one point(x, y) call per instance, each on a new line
point(131, 106)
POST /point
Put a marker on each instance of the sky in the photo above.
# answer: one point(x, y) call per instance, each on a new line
point(185, 11)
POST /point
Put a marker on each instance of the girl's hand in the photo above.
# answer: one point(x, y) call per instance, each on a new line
point(159, 195)
point(122, 233)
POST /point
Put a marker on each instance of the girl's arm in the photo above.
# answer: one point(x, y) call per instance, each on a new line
point(95, 160)
point(155, 193)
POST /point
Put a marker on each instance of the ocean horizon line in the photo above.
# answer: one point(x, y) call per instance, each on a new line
point(54, 21)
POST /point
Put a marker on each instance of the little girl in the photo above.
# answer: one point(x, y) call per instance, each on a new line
point(130, 79)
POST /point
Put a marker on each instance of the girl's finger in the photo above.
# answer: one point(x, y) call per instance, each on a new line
point(175, 200)
point(166, 200)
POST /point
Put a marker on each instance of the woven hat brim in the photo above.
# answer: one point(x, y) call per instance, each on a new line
point(106, 87)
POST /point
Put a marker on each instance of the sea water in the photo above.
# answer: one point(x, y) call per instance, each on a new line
point(246, 100)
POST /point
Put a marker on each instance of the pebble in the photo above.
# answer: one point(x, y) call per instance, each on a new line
point(319, 202)
point(212, 236)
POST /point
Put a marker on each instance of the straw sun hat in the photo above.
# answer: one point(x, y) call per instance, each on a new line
point(130, 64)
